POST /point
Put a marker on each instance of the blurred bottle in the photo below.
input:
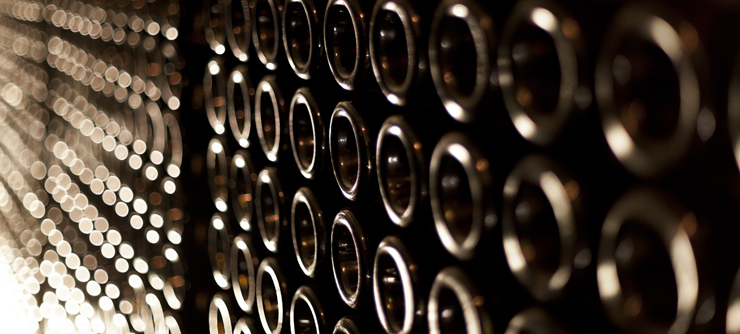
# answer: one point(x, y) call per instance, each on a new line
point(462, 195)
point(648, 273)
point(238, 27)
point(402, 166)
point(542, 232)
point(313, 310)
point(239, 98)
point(397, 49)
point(243, 264)
point(214, 94)
point(219, 250)
point(272, 297)
point(242, 177)
point(401, 277)
point(461, 58)
point(266, 31)
point(455, 306)
point(270, 120)
point(213, 23)
point(173, 274)
point(345, 41)
point(302, 36)
point(355, 235)
point(270, 201)
point(172, 68)
point(173, 149)
point(309, 232)
point(218, 173)
point(307, 133)
point(651, 90)
point(156, 140)
point(540, 72)
point(351, 150)
point(220, 317)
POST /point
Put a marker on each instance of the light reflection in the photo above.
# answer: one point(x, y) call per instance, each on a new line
point(544, 19)
point(77, 130)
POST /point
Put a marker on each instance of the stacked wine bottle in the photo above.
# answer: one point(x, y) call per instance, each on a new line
point(464, 166)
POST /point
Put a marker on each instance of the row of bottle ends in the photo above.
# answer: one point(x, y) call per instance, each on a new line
point(654, 100)
point(536, 195)
point(410, 286)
